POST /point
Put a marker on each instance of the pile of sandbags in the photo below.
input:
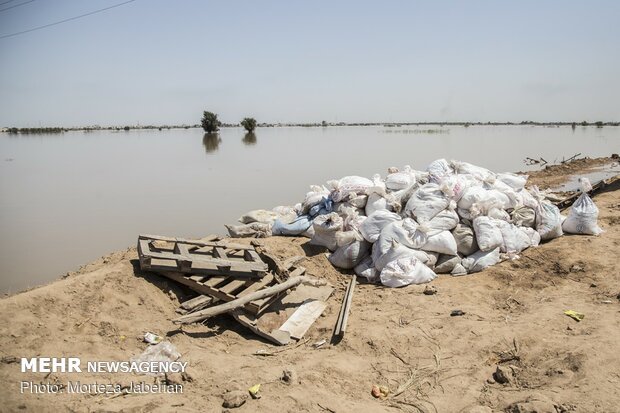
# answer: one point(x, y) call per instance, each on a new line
point(454, 218)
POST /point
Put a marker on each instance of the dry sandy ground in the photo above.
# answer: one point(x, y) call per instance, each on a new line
point(399, 338)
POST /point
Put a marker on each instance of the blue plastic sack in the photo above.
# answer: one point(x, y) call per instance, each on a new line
point(324, 207)
point(297, 227)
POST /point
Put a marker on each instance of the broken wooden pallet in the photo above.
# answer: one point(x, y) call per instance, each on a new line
point(227, 288)
point(166, 254)
point(216, 289)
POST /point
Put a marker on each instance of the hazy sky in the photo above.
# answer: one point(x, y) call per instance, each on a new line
point(165, 61)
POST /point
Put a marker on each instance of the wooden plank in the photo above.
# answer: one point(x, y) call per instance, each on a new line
point(198, 287)
point(303, 318)
point(343, 316)
point(215, 280)
point(220, 252)
point(256, 307)
point(182, 249)
point(199, 301)
point(251, 255)
point(257, 285)
point(233, 286)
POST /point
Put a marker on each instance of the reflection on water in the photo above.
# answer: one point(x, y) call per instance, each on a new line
point(63, 193)
point(249, 138)
point(211, 142)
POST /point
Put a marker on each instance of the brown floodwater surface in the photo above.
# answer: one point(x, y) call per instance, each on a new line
point(66, 199)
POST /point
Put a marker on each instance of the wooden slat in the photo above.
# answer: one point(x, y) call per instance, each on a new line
point(215, 280)
point(205, 289)
point(258, 285)
point(301, 320)
point(220, 252)
point(198, 287)
point(233, 286)
point(200, 301)
point(251, 255)
point(343, 316)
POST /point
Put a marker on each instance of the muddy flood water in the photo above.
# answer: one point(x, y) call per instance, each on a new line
point(67, 199)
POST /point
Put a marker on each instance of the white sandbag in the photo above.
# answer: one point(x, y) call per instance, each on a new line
point(258, 215)
point(354, 200)
point(376, 202)
point(348, 256)
point(465, 240)
point(480, 260)
point(313, 197)
point(527, 199)
point(347, 185)
point(472, 195)
point(501, 199)
point(533, 235)
point(341, 207)
point(548, 221)
point(400, 180)
point(456, 185)
point(515, 181)
point(395, 251)
point(251, 230)
point(326, 227)
point(426, 202)
point(514, 240)
point(373, 224)
point(458, 270)
point(351, 218)
point(438, 170)
point(489, 207)
point(406, 271)
point(583, 214)
point(431, 257)
point(488, 234)
point(366, 268)
point(446, 263)
point(400, 198)
point(440, 241)
point(524, 217)
point(479, 172)
point(446, 220)
point(405, 232)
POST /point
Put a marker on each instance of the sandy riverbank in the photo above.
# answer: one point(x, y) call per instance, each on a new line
point(101, 312)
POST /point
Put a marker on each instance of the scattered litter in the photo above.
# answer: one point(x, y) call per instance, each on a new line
point(456, 313)
point(162, 352)
point(152, 338)
point(319, 343)
point(574, 315)
point(379, 392)
point(255, 391)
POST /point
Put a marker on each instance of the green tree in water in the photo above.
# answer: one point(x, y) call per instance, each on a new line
point(209, 122)
point(249, 124)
